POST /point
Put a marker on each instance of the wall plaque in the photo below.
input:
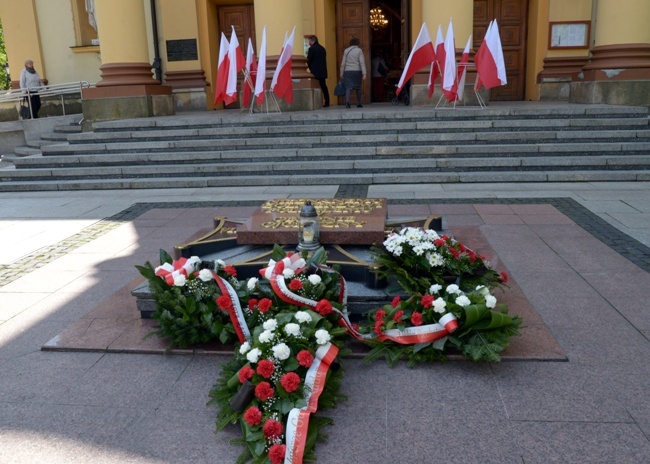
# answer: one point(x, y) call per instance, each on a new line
point(569, 34)
point(182, 50)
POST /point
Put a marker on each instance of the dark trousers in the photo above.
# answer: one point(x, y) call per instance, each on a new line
point(35, 101)
point(326, 92)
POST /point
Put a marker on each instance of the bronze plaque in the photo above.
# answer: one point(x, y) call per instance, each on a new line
point(343, 221)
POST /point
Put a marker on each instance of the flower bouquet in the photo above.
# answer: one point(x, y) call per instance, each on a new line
point(417, 258)
point(286, 370)
point(193, 299)
point(449, 303)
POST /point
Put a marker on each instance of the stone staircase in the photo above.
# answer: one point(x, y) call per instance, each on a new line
point(339, 147)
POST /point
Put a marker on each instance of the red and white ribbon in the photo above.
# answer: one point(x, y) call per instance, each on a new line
point(298, 420)
point(234, 310)
point(183, 266)
point(293, 262)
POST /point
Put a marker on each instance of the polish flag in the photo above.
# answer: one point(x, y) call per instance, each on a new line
point(250, 74)
point(436, 66)
point(421, 55)
point(260, 81)
point(490, 65)
point(449, 69)
point(222, 71)
point(462, 70)
point(281, 84)
point(237, 62)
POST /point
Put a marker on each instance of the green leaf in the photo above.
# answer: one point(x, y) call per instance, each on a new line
point(419, 346)
point(291, 364)
point(165, 257)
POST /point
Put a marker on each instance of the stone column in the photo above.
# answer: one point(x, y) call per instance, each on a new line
point(618, 71)
point(127, 88)
point(280, 17)
point(435, 13)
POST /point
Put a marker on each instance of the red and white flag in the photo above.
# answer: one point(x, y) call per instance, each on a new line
point(439, 48)
point(281, 85)
point(236, 64)
point(462, 70)
point(421, 55)
point(250, 74)
point(260, 81)
point(449, 69)
point(222, 71)
point(490, 65)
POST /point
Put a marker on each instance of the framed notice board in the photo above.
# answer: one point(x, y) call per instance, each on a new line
point(569, 34)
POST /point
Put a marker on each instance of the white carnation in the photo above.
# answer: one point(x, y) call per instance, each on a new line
point(483, 290)
point(453, 288)
point(439, 305)
point(220, 263)
point(254, 355)
point(179, 280)
point(302, 316)
point(252, 282)
point(205, 275)
point(244, 348)
point(281, 351)
point(435, 288)
point(292, 329)
point(314, 279)
point(322, 336)
point(463, 301)
point(288, 273)
point(266, 336)
point(271, 324)
point(490, 301)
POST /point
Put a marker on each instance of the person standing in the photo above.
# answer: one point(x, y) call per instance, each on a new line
point(317, 62)
point(353, 71)
point(31, 81)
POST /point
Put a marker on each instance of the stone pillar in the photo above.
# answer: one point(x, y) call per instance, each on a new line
point(127, 88)
point(618, 71)
point(438, 13)
point(280, 17)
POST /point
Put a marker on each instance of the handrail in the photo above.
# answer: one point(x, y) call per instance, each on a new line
point(16, 95)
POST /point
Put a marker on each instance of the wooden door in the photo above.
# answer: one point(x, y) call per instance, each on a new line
point(511, 16)
point(242, 17)
point(353, 20)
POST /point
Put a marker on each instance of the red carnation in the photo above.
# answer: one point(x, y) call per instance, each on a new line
point(462, 247)
point(224, 302)
point(397, 317)
point(264, 391)
point(504, 277)
point(252, 303)
point(454, 252)
point(324, 307)
point(295, 285)
point(396, 301)
point(472, 256)
point(265, 368)
point(230, 270)
point(272, 429)
point(245, 373)
point(276, 453)
point(379, 315)
point(378, 327)
point(264, 305)
point(305, 358)
point(253, 416)
point(439, 242)
point(427, 300)
point(290, 381)
point(416, 318)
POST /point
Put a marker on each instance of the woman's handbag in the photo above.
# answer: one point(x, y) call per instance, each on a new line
point(339, 90)
point(24, 109)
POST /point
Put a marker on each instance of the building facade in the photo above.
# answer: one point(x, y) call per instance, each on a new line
point(160, 56)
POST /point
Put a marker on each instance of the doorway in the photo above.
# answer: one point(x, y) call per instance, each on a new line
point(511, 16)
point(389, 39)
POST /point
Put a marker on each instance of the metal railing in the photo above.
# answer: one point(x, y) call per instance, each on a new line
point(55, 90)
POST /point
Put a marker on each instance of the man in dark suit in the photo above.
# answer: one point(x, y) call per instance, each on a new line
point(317, 62)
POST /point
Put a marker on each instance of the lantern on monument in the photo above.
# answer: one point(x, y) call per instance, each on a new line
point(308, 228)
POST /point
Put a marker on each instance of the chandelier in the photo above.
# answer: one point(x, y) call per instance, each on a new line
point(377, 19)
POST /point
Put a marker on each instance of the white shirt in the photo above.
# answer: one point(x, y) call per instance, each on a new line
point(29, 80)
